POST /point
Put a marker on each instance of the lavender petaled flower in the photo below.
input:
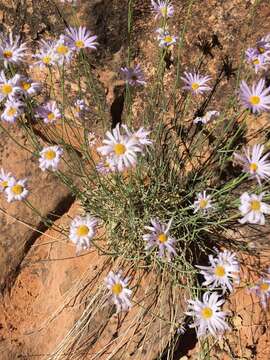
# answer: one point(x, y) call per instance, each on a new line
point(163, 9)
point(263, 45)
point(195, 82)
point(165, 38)
point(254, 162)
point(257, 60)
point(159, 238)
point(133, 76)
point(46, 55)
point(262, 290)
point(80, 38)
point(256, 98)
point(49, 112)
point(11, 50)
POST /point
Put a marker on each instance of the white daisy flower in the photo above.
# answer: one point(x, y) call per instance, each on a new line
point(28, 86)
point(5, 177)
point(62, 50)
point(50, 157)
point(262, 290)
point(253, 209)
point(207, 315)
point(263, 45)
point(256, 98)
point(82, 231)
point(8, 88)
point(120, 294)
point(46, 56)
point(11, 50)
point(160, 238)
point(165, 38)
point(16, 190)
point(203, 203)
point(254, 162)
point(49, 112)
point(222, 271)
point(12, 110)
point(121, 149)
point(207, 117)
point(163, 9)
point(256, 60)
point(80, 38)
point(195, 82)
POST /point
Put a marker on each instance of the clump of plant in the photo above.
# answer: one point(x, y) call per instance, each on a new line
point(158, 190)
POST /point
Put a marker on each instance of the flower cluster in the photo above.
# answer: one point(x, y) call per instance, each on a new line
point(120, 150)
point(13, 189)
point(259, 57)
point(61, 51)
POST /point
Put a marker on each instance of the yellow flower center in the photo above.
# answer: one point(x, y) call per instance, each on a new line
point(117, 289)
point(207, 313)
point(50, 155)
point(51, 116)
point(82, 230)
point(256, 62)
point(162, 238)
point(119, 149)
point(17, 189)
point(46, 59)
point(11, 111)
point(25, 85)
point(6, 89)
point(62, 49)
point(168, 39)
point(4, 184)
point(7, 54)
point(261, 49)
point(264, 286)
point(203, 203)
point(255, 205)
point(80, 44)
point(253, 167)
point(164, 11)
point(254, 100)
point(195, 86)
point(220, 271)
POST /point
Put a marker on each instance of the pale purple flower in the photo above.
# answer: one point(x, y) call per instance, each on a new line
point(165, 38)
point(119, 292)
point(133, 76)
point(257, 60)
point(49, 112)
point(207, 117)
point(28, 86)
point(106, 166)
point(254, 162)
point(223, 269)
point(12, 110)
point(203, 203)
point(263, 45)
point(256, 98)
point(140, 135)
point(196, 83)
point(80, 38)
point(81, 108)
point(62, 50)
point(262, 290)
point(160, 238)
point(11, 50)
point(5, 177)
point(208, 318)
point(121, 149)
point(163, 9)
point(252, 209)
point(46, 55)
point(16, 190)
point(9, 88)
